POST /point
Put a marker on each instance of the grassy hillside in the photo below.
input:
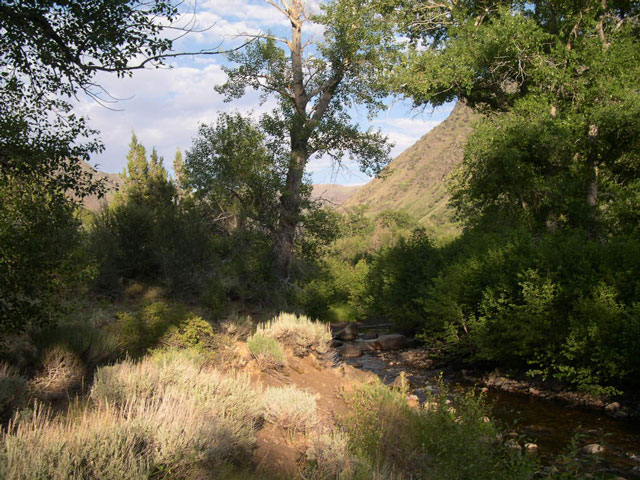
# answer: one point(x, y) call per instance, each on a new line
point(332, 194)
point(415, 181)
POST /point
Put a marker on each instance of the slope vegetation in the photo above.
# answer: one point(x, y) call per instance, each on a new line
point(415, 181)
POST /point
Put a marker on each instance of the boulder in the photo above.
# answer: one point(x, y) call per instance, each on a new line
point(367, 345)
point(593, 449)
point(612, 407)
point(350, 350)
point(348, 333)
point(392, 341)
point(336, 343)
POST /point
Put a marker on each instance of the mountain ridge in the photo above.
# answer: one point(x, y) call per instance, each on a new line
point(415, 181)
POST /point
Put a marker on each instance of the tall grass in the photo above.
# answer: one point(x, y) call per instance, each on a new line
point(300, 333)
point(163, 417)
point(449, 440)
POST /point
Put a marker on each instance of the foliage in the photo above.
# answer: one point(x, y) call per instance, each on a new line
point(146, 234)
point(266, 350)
point(314, 90)
point(48, 54)
point(290, 408)
point(448, 438)
point(560, 145)
point(336, 290)
point(40, 252)
point(231, 168)
point(143, 329)
point(299, 333)
point(13, 391)
point(563, 304)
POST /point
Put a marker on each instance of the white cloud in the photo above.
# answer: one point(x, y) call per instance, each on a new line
point(166, 106)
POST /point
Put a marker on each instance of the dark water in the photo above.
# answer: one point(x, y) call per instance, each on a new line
point(549, 424)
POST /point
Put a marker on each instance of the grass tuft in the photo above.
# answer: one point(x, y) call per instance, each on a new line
point(266, 350)
point(290, 408)
point(299, 333)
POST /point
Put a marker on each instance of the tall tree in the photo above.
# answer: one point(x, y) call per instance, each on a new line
point(558, 81)
point(315, 84)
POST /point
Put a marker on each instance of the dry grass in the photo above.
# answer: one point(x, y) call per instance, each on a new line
point(183, 371)
point(290, 408)
point(166, 416)
point(329, 456)
point(62, 373)
point(299, 333)
point(168, 436)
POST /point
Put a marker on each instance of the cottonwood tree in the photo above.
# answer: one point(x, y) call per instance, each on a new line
point(315, 84)
point(559, 82)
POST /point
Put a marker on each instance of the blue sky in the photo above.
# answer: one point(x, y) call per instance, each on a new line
point(165, 106)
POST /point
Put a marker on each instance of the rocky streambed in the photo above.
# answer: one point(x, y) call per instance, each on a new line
point(545, 415)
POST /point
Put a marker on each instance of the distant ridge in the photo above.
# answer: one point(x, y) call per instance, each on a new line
point(332, 194)
point(112, 182)
point(414, 182)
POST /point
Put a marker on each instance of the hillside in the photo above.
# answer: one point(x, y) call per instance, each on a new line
point(332, 194)
point(112, 182)
point(414, 182)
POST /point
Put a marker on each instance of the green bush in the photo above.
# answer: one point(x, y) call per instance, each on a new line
point(40, 251)
point(447, 438)
point(142, 330)
point(13, 391)
point(266, 350)
point(560, 304)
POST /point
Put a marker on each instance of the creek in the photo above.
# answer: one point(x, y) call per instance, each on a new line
point(550, 424)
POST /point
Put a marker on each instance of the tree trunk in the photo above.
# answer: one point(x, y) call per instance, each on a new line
point(290, 200)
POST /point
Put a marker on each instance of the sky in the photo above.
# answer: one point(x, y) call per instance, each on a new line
point(165, 106)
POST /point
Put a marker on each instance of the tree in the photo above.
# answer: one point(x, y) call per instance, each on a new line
point(231, 169)
point(558, 82)
point(50, 50)
point(315, 85)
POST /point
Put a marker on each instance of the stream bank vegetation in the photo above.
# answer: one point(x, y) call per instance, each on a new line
point(123, 350)
point(173, 412)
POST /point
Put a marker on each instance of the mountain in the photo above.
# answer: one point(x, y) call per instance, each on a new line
point(332, 194)
point(414, 182)
point(112, 182)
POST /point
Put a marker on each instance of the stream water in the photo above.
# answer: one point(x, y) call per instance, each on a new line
point(549, 424)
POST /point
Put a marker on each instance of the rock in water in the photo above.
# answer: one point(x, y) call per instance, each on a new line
point(392, 341)
point(348, 333)
point(350, 350)
point(593, 449)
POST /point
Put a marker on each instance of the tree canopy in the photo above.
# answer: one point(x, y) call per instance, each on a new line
point(558, 82)
point(315, 84)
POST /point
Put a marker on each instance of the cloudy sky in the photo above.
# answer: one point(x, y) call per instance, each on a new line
point(165, 106)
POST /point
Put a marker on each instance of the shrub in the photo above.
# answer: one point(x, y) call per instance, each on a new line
point(266, 350)
point(166, 436)
point(92, 344)
point(299, 333)
point(142, 330)
point(62, 372)
point(13, 391)
point(290, 408)
point(329, 456)
point(182, 371)
point(449, 440)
